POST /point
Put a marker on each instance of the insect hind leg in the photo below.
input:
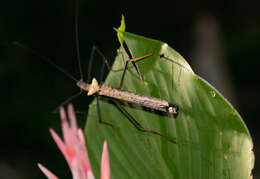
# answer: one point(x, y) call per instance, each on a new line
point(139, 126)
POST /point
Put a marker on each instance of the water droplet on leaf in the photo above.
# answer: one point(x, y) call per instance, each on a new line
point(213, 94)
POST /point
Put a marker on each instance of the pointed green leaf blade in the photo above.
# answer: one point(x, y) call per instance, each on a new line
point(212, 140)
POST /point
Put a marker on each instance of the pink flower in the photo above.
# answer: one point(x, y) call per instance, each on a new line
point(74, 149)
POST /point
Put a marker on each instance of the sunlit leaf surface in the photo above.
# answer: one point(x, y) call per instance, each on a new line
point(212, 140)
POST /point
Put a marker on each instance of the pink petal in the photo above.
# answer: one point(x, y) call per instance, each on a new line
point(105, 168)
point(84, 156)
point(47, 172)
point(72, 117)
point(68, 135)
point(62, 114)
point(65, 127)
point(73, 147)
point(60, 144)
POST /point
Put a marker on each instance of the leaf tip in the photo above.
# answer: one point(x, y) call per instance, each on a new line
point(121, 29)
point(122, 25)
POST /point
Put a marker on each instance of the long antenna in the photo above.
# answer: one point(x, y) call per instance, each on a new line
point(77, 36)
point(46, 59)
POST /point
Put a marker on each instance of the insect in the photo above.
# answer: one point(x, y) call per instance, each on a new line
point(115, 94)
point(96, 89)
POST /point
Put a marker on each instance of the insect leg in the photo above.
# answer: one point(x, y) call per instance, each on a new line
point(123, 75)
point(133, 61)
point(95, 49)
point(99, 115)
point(173, 61)
point(68, 100)
point(139, 126)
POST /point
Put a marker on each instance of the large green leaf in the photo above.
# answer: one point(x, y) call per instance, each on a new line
point(212, 140)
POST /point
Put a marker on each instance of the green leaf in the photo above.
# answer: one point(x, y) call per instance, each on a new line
point(212, 140)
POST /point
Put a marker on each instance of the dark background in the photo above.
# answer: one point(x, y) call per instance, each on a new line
point(220, 40)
